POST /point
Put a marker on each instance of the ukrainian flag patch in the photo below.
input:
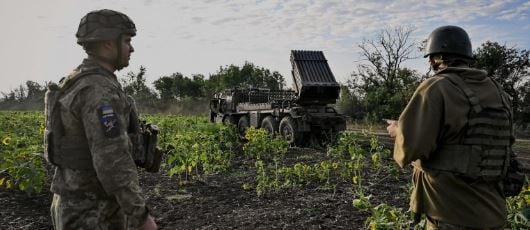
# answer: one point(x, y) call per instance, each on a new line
point(109, 121)
point(106, 110)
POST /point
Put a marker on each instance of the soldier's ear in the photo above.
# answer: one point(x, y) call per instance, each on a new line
point(109, 44)
point(100, 48)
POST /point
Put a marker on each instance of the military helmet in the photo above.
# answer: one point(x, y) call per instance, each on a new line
point(449, 40)
point(104, 25)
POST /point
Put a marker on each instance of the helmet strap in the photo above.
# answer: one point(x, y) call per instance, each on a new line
point(118, 63)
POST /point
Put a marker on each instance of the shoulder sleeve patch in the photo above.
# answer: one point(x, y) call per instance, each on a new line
point(109, 121)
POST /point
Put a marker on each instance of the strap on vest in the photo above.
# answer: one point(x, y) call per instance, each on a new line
point(472, 98)
point(506, 103)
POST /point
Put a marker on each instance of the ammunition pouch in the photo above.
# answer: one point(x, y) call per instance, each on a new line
point(153, 155)
point(144, 138)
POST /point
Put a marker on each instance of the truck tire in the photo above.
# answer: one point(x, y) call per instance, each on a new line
point(242, 126)
point(289, 131)
point(270, 125)
point(229, 119)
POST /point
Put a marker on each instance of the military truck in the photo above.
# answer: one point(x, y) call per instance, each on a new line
point(302, 116)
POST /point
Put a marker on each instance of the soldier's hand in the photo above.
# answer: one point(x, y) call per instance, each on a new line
point(149, 224)
point(391, 128)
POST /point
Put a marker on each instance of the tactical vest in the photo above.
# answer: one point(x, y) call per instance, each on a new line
point(484, 151)
point(60, 150)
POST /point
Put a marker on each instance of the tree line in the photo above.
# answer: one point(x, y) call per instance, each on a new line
point(174, 93)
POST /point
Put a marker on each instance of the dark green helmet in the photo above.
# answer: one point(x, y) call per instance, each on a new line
point(104, 25)
point(449, 40)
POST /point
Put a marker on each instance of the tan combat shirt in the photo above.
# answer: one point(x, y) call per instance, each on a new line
point(115, 174)
point(437, 113)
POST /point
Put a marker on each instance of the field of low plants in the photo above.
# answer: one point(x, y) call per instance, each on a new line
point(210, 179)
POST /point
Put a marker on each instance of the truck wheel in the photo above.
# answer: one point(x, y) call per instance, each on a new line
point(229, 119)
point(289, 131)
point(242, 126)
point(270, 125)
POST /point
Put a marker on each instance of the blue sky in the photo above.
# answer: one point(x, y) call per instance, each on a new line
point(38, 41)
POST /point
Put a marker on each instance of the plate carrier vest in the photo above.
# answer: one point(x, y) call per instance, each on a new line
point(484, 152)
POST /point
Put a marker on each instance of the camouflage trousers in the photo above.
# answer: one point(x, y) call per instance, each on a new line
point(432, 224)
point(86, 212)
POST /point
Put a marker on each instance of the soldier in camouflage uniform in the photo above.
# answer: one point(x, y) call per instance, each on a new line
point(95, 184)
point(457, 132)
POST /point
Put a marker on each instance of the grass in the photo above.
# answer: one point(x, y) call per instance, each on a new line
point(521, 143)
point(356, 125)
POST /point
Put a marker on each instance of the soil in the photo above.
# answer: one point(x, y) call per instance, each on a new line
point(220, 202)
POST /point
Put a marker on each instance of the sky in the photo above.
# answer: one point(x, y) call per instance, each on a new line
point(199, 36)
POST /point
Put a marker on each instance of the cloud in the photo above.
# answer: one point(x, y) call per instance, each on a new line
point(197, 20)
point(336, 26)
point(332, 25)
point(224, 21)
point(519, 12)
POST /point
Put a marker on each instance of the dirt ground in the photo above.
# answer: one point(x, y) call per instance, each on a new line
point(220, 202)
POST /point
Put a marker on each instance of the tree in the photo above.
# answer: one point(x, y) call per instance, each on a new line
point(348, 104)
point(381, 83)
point(20, 93)
point(8, 96)
point(134, 85)
point(35, 90)
point(246, 76)
point(195, 86)
point(510, 67)
point(177, 86)
point(166, 87)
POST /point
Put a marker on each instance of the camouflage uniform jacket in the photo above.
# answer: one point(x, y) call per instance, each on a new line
point(114, 174)
point(437, 113)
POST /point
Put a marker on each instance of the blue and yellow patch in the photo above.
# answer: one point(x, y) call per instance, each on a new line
point(106, 110)
point(109, 120)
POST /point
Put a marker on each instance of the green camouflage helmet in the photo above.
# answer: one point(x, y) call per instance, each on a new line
point(104, 25)
point(449, 40)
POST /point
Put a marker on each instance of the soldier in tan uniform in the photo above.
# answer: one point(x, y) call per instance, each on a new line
point(457, 132)
point(88, 117)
